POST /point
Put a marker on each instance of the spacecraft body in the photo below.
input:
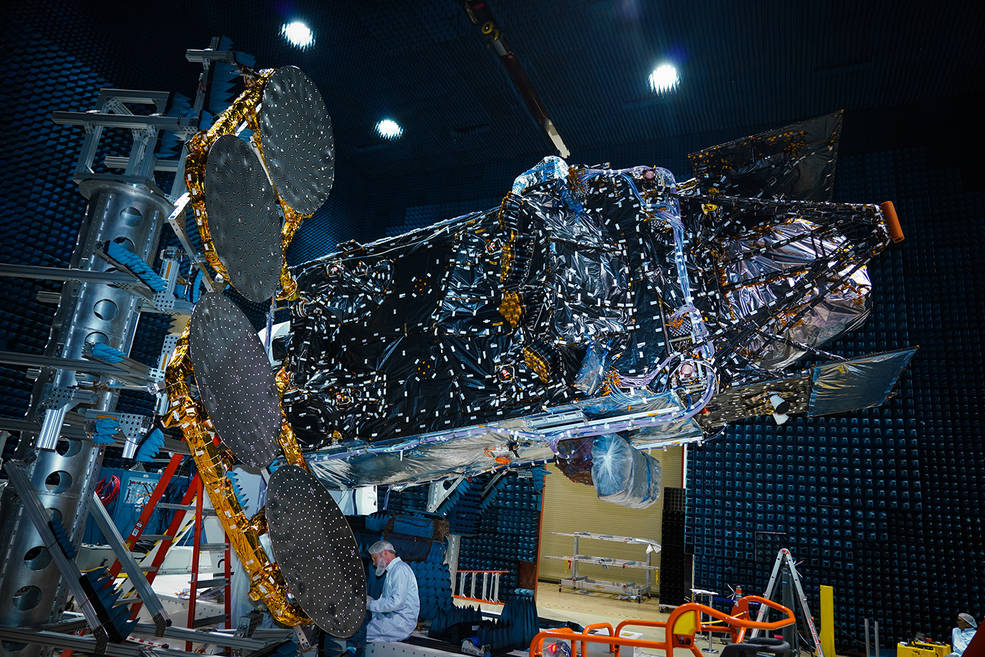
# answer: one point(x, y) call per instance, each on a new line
point(589, 294)
point(490, 315)
point(595, 313)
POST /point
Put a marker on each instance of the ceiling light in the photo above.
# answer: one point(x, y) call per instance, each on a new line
point(663, 78)
point(389, 129)
point(298, 34)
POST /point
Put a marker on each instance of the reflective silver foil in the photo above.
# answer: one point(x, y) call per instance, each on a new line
point(779, 259)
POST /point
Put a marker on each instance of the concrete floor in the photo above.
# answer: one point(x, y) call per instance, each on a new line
point(585, 608)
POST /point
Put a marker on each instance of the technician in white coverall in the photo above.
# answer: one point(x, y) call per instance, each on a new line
point(962, 634)
point(395, 611)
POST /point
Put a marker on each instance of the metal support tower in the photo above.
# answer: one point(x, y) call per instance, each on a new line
point(98, 305)
point(126, 207)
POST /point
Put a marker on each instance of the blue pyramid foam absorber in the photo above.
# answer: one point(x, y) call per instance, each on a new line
point(238, 489)
point(106, 430)
point(135, 264)
point(61, 536)
point(149, 448)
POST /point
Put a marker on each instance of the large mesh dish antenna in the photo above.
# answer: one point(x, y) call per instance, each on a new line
point(244, 218)
point(235, 381)
point(316, 551)
point(298, 144)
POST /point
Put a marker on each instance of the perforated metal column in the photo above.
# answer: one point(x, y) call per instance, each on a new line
point(62, 474)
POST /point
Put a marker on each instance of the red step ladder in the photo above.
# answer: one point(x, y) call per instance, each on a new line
point(194, 493)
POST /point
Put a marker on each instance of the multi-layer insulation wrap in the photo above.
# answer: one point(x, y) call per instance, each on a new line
point(489, 315)
point(624, 475)
point(587, 286)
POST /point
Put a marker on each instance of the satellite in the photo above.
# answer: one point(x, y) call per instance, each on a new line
point(594, 306)
point(592, 301)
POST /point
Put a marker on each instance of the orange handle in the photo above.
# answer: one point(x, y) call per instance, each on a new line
point(892, 221)
point(788, 618)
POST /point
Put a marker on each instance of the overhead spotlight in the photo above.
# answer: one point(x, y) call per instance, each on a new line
point(297, 34)
point(780, 408)
point(389, 129)
point(663, 78)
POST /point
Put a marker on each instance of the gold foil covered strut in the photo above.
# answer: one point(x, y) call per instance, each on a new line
point(242, 110)
point(267, 585)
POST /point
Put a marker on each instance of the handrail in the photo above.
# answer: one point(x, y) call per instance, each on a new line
point(671, 640)
point(638, 623)
point(743, 624)
point(597, 626)
point(789, 618)
point(647, 623)
point(536, 645)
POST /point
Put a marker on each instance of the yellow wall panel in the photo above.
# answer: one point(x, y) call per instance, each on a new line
point(574, 507)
